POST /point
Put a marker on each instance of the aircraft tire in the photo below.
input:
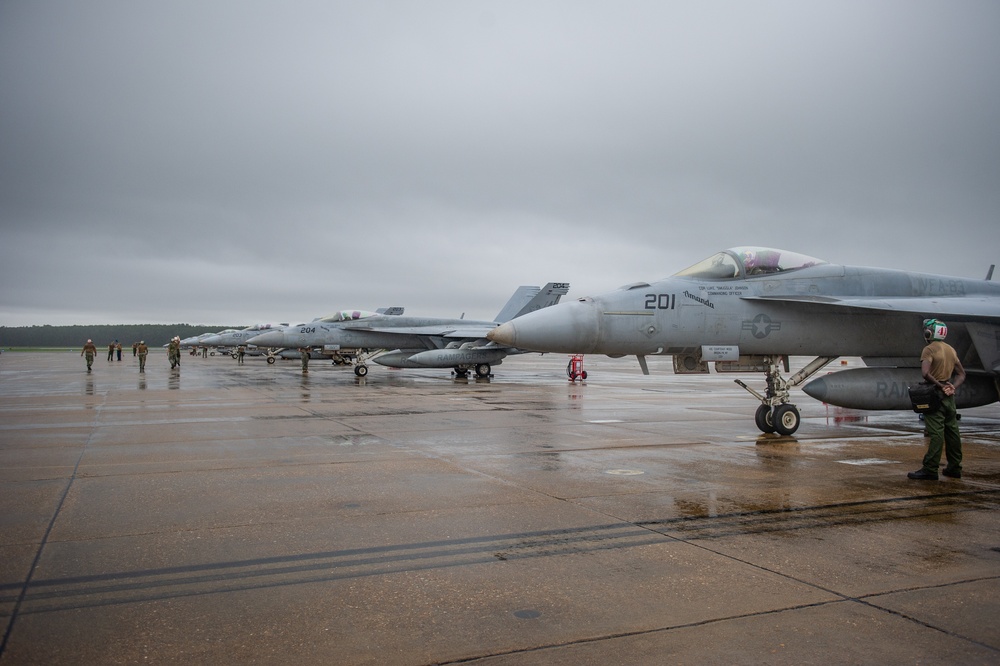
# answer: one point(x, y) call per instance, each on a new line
point(764, 420)
point(270, 360)
point(786, 419)
point(483, 370)
point(361, 370)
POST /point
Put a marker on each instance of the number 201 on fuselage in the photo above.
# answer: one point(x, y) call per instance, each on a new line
point(661, 301)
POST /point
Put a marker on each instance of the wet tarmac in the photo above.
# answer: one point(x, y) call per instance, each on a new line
point(251, 514)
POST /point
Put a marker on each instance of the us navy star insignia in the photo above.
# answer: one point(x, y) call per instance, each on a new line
point(761, 326)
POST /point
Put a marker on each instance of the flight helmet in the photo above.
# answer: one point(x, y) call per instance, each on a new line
point(935, 329)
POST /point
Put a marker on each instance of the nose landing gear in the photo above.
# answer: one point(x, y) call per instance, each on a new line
point(776, 413)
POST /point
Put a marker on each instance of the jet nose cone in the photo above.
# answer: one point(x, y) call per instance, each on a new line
point(568, 327)
point(503, 334)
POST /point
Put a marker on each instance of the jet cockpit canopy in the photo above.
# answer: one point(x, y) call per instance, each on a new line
point(743, 262)
point(347, 315)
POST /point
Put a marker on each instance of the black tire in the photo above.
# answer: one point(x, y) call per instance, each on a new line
point(483, 370)
point(764, 419)
point(361, 370)
point(270, 360)
point(786, 419)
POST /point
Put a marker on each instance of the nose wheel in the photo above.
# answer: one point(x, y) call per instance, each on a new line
point(763, 419)
point(783, 419)
point(775, 413)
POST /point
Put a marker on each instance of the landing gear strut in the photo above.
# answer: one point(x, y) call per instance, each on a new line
point(775, 413)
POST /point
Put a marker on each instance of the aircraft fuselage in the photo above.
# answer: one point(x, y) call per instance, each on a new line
point(758, 315)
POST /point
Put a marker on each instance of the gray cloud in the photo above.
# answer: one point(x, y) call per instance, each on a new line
point(234, 162)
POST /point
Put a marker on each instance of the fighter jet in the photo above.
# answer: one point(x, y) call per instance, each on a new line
point(195, 341)
point(749, 308)
point(339, 355)
point(415, 342)
point(231, 337)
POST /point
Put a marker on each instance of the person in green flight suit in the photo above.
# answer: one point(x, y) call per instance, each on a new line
point(940, 366)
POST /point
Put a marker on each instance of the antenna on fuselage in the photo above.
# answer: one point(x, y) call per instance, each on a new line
point(989, 273)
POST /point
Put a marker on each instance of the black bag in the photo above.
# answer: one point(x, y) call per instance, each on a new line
point(925, 398)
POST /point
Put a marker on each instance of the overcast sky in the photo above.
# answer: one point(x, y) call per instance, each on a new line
point(235, 162)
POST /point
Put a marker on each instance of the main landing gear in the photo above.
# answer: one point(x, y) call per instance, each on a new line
point(482, 370)
point(775, 413)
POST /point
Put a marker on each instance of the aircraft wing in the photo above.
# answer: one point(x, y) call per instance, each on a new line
point(950, 307)
point(450, 331)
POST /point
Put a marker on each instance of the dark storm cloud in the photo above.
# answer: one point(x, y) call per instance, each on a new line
point(232, 162)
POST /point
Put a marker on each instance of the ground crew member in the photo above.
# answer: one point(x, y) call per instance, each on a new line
point(305, 360)
point(118, 349)
point(204, 352)
point(135, 346)
point(240, 351)
point(940, 366)
point(174, 352)
point(90, 351)
point(111, 351)
point(142, 350)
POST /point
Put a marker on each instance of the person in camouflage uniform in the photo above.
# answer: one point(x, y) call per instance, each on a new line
point(90, 351)
point(174, 352)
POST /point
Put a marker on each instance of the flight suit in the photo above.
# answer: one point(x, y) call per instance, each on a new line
point(90, 351)
point(942, 423)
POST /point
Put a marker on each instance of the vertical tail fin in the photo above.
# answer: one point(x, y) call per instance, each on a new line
point(528, 299)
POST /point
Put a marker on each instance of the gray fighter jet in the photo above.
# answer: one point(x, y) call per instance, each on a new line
point(415, 342)
point(232, 337)
point(339, 355)
point(748, 309)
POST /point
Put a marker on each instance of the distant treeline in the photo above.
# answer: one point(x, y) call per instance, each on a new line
point(155, 335)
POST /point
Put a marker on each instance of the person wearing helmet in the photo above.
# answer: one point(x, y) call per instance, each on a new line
point(174, 352)
point(941, 367)
point(142, 350)
point(90, 351)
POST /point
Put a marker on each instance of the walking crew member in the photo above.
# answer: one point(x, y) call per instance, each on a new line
point(142, 350)
point(174, 352)
point(90, 351)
